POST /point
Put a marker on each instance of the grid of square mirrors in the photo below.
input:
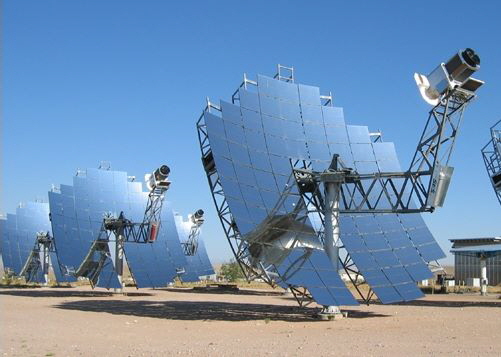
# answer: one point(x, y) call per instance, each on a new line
point(144, 259)
point(384, 255)
point(20, 233)
point(253, 141)
point(313, 270)
point(10, 251)
point(196, 265)
point(77, 214)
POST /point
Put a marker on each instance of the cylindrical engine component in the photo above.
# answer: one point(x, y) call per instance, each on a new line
point(462, 65)
point(199, 213)
point(162, 172)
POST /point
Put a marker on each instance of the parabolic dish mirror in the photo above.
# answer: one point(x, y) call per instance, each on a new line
point(77, 214)
point(198, 264)
point(248, 147)
point(19, 237)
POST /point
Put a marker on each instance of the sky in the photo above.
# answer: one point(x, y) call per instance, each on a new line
point(125, 82)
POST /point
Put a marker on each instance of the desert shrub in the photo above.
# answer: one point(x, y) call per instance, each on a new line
point(231, 271)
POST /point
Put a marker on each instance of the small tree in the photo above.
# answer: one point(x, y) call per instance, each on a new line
point(231, 271)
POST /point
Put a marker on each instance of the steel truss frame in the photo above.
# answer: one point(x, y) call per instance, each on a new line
point(190, 247)
point(492, 156)
point(239, 246)
point(39, 257)
point(91, 267)
point(396, 192)
point(301, 295)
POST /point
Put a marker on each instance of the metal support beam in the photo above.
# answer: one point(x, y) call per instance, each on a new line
point(45, 258)
point(331, 237)
point(332, 180)
point(331, 217)
point(119, 258)
point(483, 276)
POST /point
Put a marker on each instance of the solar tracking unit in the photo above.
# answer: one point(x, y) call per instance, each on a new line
point(106, 220)
point(197, 260)
point(195, 221)
point(294, 184)
point(97, 224)
point(77, 214)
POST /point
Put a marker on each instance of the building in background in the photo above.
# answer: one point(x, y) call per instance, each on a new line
point(470, 253)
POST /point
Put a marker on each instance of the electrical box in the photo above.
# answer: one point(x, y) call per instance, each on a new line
point(475, 282)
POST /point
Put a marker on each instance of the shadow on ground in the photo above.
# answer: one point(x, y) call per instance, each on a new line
point(65, 293)
point(203, 310)
point(440, 303)
point(225, 291)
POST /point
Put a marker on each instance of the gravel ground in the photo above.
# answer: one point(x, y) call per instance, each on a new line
point(82, 322)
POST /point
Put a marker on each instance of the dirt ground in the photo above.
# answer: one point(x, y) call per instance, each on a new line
point(82, 322)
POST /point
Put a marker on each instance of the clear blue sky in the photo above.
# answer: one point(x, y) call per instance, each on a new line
point(125, 81)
